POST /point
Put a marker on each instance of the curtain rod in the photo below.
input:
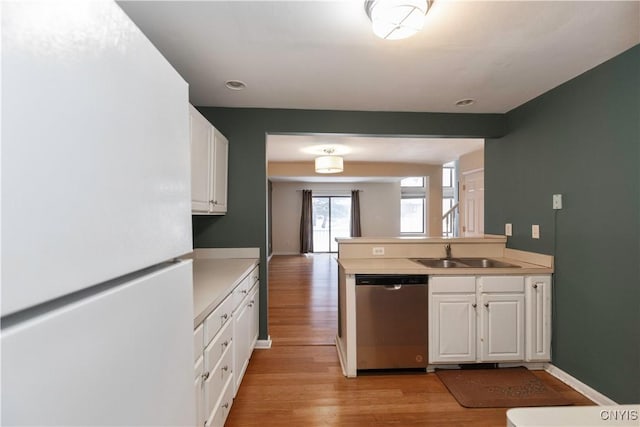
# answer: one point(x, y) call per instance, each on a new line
point(331, 189)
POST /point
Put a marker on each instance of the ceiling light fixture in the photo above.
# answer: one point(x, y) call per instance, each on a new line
point(235, 84)
point(465, 102)
point(329, 163)
point(396, 19)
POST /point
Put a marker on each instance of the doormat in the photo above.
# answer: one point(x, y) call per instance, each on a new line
point(499, 388)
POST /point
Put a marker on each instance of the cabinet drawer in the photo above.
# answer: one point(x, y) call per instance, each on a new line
point(501, 284)
point(218, 377)
point(198, 368)
point(241, 291)
point(216, 349)
point(221, 410)
point(198, 342)
point(254, 276)
point(452, 284)
point(216, 320)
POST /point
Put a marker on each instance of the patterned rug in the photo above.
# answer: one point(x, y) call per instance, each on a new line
point(499, 388)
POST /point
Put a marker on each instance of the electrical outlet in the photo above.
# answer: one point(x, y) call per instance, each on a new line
point(535, 231)
point(557, 201)
point(378, 250)
point(508, 229)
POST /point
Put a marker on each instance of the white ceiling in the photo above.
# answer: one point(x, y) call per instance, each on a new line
point(322, 54)
point(291, 148)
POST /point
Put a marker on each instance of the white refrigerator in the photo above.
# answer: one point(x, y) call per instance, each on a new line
point(97, 314)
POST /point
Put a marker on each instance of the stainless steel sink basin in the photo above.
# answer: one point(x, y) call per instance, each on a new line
point(486, 263)
point(463, 263)
point(441, 263)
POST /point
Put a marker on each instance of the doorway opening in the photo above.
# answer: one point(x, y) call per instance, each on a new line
point(331, 219)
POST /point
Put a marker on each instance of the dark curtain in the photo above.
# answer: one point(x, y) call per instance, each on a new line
point(306, 223)
point(355, 214)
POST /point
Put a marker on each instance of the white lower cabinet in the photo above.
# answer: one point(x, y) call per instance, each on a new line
point(482, 319)
point(223, 346)
point(538, 318)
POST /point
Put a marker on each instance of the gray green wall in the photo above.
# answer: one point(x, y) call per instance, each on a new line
point(581, 139)
point(245, 224)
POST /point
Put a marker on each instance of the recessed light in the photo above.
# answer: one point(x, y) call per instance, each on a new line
point(465, 102)
point(235, 84)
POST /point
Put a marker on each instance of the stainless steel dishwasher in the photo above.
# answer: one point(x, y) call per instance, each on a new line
point(391, 321)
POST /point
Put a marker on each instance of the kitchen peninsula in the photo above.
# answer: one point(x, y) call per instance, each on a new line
point(476, 313)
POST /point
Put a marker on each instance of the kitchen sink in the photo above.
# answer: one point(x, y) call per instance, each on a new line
point(440, 263)
point(463, 263)
point(486, 263)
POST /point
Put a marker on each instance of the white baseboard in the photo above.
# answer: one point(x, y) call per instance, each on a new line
point(263, 344)
point(579, 386)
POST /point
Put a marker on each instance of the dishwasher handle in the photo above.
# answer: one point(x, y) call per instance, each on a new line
point(392, 287)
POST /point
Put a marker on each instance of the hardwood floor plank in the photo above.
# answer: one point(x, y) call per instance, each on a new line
point(299, 382)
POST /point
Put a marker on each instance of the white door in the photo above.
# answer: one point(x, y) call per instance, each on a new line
point(452, 333)
point(502, 327)
point(201, 159)
point(472, 203)
point(122, 356)
point(538, 318)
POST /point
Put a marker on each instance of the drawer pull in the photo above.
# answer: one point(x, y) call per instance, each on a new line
point(226, 405)
point(244, 291)
point(224, 317)
point(205, 376)
point(225, 344)
point(225, 368)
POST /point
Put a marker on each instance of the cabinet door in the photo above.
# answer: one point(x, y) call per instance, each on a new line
point(221, 157)
point(201, 158)
point(502, 327)
point(199, 392)
point(538, 318)
point(254, 307)
point(241, 321)
point(452, 333)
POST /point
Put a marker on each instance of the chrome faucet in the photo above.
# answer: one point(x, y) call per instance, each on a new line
point(447, 249)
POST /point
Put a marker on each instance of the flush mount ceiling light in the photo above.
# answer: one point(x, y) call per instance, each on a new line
point(465, 102)
point(329, 163)
point(235, 84)
point(396, 19)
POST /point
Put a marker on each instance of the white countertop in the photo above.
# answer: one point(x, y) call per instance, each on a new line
point(214, 279)
point(406, 266)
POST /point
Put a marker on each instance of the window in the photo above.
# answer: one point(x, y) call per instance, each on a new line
point(412, 205)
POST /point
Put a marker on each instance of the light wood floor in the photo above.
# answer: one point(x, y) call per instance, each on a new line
point(298, 382)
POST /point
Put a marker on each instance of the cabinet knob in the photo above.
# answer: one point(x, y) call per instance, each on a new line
point(226, 405)
point(486, 304)
point(535, 286)
point(205, 376)
point(225, 344)
point(225, 316)
point(474, 305)
point(244, 291)
point(225, 368)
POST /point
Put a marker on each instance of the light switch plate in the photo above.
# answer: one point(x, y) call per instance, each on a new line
point(508, 229)
point(557, 201)
point(535, 231)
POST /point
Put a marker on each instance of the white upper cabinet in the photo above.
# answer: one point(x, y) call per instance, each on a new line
point(209, 157)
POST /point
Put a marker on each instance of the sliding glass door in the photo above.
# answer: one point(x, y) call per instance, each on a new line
point(331, 219)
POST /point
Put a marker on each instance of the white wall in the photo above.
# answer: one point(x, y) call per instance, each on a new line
point(379, 210)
